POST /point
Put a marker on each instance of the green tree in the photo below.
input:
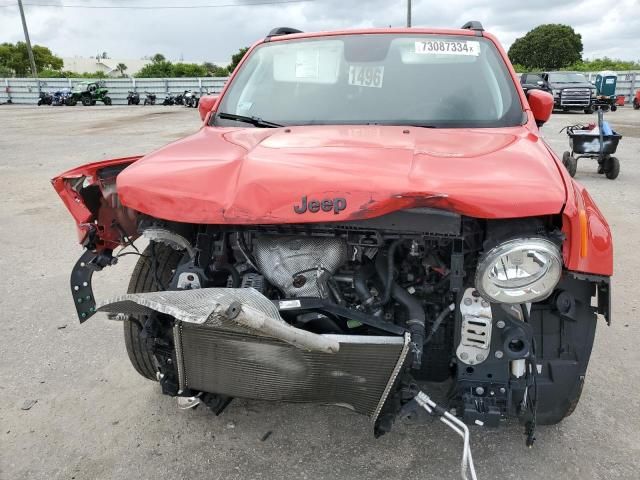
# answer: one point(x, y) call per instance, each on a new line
point(605, 63)
point(236, 58)
point(5, 71)
point(547, 47)
point(15, 57)
point(214, 70)
point(121, 67)
point(157, 69)
point(158, 58)
point(188, 70)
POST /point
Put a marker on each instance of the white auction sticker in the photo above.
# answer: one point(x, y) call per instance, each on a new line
point(285, 304)
point(366, 75)
point(307, 63)
point(448, 47)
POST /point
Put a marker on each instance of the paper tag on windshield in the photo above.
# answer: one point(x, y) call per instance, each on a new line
point(307, 63)
point(448, 47)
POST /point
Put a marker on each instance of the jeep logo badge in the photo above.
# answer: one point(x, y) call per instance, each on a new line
point(326, 205)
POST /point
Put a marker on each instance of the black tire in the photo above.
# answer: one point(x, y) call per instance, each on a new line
point(143, 280)
point(71, 102)
point(589, 110)
point(614, 108)
point(107, 100)
point(636, 105)
point(570, 163)
point(86, 101)
point(39, 102)
point(612, 168)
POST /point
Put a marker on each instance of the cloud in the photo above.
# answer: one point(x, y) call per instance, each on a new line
point(213, 34)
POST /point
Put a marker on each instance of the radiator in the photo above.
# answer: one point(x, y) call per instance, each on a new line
point(359, 376)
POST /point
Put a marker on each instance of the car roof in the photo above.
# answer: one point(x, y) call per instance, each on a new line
point(378, 31)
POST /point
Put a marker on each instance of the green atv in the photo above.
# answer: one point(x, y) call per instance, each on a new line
point(88, 93)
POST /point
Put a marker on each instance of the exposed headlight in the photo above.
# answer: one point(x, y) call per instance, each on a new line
point(519, 271)
point(556, 93)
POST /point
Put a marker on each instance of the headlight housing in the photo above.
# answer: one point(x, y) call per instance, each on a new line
point(519, 271)
point(556, 93)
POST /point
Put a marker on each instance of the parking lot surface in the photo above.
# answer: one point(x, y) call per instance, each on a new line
point(94, 417)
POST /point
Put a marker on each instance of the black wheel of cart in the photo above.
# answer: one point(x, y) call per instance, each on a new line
point(570, 163)
point(612, 168)
point(589, 110)
point(614, 108)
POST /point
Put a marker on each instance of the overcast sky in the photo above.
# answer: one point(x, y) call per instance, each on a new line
point(213, 34)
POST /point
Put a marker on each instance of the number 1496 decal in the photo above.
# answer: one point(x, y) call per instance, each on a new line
point(366, 76)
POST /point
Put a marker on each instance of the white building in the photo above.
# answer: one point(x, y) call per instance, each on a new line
point(106, 65)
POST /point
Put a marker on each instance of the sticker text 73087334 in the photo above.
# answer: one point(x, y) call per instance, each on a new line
point(448, 47)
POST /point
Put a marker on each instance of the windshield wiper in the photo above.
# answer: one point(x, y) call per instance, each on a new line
point(256, 121)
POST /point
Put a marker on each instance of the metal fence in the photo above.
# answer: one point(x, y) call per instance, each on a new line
point(26, 90)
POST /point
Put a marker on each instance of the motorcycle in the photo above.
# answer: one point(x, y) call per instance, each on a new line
point(179, 99)
point(60, 97)
point(45, 98)
point(169, 99)
point(191, 99)
point(133, 98)
point(150, 98)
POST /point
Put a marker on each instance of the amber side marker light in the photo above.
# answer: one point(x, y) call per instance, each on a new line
point(584, 232)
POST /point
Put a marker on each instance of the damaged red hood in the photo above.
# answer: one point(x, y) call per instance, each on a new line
point(337, 173)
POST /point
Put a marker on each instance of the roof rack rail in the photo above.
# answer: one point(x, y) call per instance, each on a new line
point(473, 25)
point(279, 31)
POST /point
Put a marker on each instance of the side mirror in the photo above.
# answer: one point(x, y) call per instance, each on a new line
point(207, 103)
point(541, 104)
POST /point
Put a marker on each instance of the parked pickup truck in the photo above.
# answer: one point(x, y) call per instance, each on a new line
point(571, 91)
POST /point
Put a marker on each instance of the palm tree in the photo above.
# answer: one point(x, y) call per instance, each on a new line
point(121, 67)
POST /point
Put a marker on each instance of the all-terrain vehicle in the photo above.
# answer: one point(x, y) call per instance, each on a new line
point(88, 93)
point(570, 90)
point(349, 222)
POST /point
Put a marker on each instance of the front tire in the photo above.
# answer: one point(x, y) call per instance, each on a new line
point(86, 101)
point(107, 100)
point(143, 280)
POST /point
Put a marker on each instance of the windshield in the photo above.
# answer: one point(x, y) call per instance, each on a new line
point(567, 78)
point(424, 80)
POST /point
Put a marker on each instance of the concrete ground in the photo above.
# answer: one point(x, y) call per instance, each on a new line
point(95, 418)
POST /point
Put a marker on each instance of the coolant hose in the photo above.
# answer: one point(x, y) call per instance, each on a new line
point(387, 279)
point(417, 317)
point(231, 270)
point(360, 278)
